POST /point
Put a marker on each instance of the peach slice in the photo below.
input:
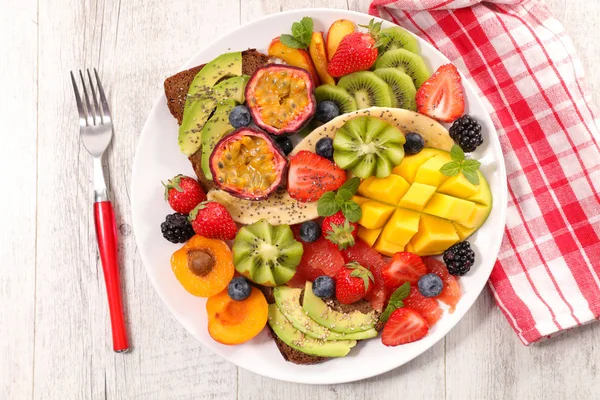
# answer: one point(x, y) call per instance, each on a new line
point(294, 57)
point(319, 56)
point(337, 31)
point(234, 322)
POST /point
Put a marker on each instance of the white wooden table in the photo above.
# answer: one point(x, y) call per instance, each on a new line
point(54, 327)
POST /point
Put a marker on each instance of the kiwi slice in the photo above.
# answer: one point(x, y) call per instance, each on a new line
point(266, 254)
point(338, 95)
point(407, 62)
point(368, 146)
point(399, 39)
point(402, 87)
point(367, 89)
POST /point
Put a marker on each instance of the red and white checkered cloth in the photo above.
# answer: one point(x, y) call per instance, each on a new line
point(546, 278)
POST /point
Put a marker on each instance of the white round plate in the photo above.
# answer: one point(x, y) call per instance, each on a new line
point(158, 158)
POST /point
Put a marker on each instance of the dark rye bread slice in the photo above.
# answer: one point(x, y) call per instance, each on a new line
point(298, 357)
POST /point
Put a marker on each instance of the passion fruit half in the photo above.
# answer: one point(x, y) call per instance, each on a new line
point(248, 164)
point(281, 98)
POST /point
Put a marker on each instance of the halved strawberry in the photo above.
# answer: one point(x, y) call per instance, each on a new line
point(369, 257)
point(441, 96)
point(404, 326)
point(310, 175)
point(428, 308)
point(451, 292)
point(404, 267)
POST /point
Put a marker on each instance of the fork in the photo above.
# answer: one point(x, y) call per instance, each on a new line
point(96, 130)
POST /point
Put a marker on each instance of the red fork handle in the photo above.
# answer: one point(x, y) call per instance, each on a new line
point(106, 233)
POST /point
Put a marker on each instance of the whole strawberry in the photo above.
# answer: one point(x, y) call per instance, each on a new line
point(338, 230)
point(352, 283)
point(212, 220)
point(357, 51)
point(183, 193)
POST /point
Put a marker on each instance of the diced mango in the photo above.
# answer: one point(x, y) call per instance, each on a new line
point(359, 200)
point(369, 236)
point(417, 196)
point(435, 235)
point(387, 248)
point(375, 214)
point(409, 166)
point(449, 207)
point(429, 173)
point(458, 186)
point(478, 216)
point(401, 227)
point(484, 195)
point(387, 190)
point(462, 231)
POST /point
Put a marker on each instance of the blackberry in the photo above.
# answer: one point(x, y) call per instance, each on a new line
point(176, 228)
point(466, 132)
point(459, 258)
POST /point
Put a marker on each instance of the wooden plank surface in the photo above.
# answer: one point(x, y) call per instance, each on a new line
point(57, 343)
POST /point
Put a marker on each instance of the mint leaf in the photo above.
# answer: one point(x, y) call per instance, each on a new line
point(327, 205)
point(297, 29)
point(389, 310)
point(291, 41)
point(351, 211)
point(308, 24)
point(472, 165)
point(351, 184)
point(451, 169)
point(457, 154)
point(471, 175)
point(401, 293)
point(345, 194)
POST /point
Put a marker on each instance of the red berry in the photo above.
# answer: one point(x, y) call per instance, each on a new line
point(339, 231)
point(183, 193)
point(451, 292)
point(212, 220)
point(404, 326)
point(310, 175)
point(441, 96)
point(353, 283)
point(356, 52)
point(428, 307)
point(404, 267)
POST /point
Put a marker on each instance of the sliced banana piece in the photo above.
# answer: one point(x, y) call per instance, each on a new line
point(434, 134)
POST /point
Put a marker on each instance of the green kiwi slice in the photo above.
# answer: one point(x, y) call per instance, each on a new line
point(368, 146)
point(399, 39)
point(266, 254)
point(367, 89)
point(338, 95)
point(402, 87)
point(407, 62)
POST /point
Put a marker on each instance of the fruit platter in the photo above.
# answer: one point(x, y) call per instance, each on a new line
point(319, 196)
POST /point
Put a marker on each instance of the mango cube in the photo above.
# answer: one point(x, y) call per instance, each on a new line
point(458, 186)
point(401, 227)
point(451, 208)
point(484, 195)
point(359, 200)
point(429, 173)
point(387, 190)
point(478, 216)
point(387, 248)
point(409, 166)
point(435, 235)
point(417, 196)
point(374, 214)
point(369, 236)
point(462, 231)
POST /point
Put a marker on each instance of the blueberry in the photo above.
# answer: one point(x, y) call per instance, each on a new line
point(240, 116)
point(239, 289)
point(324, 287)
point(310, 231)
point(326, 111)
point(414, 143)
point(324, 147)
point(430, 285)
point(285, 144)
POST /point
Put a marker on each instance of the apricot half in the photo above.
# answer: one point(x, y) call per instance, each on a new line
point(234, 322)
point(203, 266)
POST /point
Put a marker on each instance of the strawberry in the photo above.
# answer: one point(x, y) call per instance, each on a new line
point(441, 96)
point(353, 283)
point(404, 326)
point(338, 230)
point(183, 193)
point(357, 51)
point(404, 267)
point(451, 292)
point(310, 175)
point(429, 308)
point(369, 257)
point(212, 220)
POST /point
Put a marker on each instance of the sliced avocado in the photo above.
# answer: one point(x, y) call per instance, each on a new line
point(225, 65)
point(288, 302)
point(215, 128)
point(289, 335)
point(335, 321)
point(196, 113)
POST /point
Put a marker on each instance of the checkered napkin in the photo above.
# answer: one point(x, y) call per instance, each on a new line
point(546, 278)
